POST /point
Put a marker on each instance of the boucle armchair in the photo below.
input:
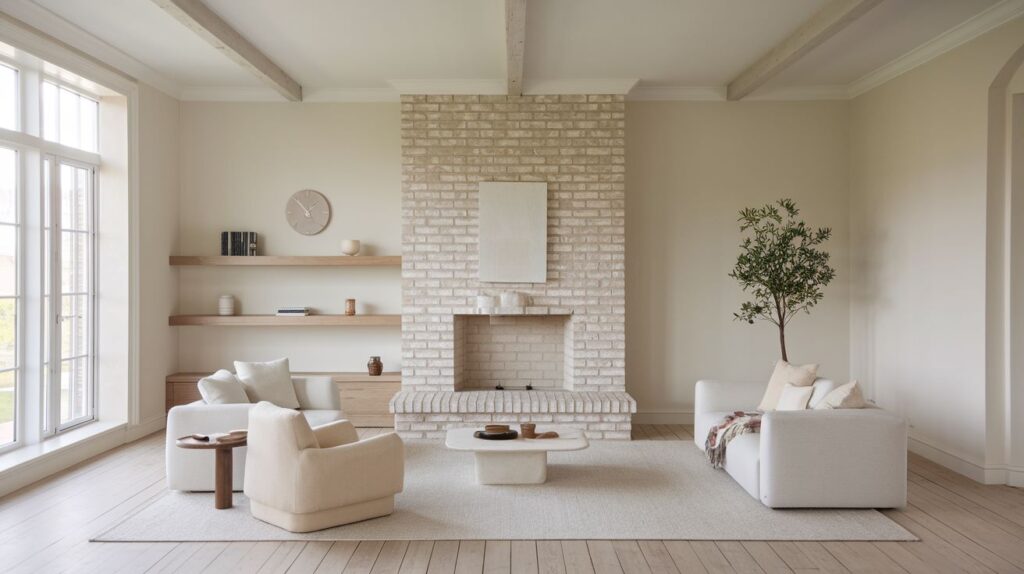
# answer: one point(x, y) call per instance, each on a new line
point(839, 458)
point(303, 479)
point(193, 469)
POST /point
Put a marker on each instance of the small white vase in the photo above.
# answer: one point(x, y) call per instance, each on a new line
point(350, 246)
point(226, 305)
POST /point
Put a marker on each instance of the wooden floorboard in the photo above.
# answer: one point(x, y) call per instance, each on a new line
point(964, 527)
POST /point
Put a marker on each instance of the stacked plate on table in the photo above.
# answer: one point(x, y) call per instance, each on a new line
point(496, 432)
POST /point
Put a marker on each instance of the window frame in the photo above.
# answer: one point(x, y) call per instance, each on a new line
point(54, 258)
point(45, 78)
point(19, 305)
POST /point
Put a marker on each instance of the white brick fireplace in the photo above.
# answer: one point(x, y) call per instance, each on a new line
point(569, 343)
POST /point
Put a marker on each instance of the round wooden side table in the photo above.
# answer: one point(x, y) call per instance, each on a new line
point(223, 446)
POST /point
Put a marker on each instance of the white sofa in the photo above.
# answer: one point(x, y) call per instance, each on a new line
point(841, 458)
point(193, 469)
point(303, 479)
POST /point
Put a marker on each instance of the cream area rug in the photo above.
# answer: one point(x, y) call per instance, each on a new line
point(612, 490)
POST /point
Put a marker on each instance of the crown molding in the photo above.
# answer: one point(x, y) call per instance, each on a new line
point(49, 23)
point(968, 30)
point(580, 86)
point(450, 87)
point(678, 93)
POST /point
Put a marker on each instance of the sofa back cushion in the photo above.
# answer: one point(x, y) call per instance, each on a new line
point(270, 381)
point(796, 375)
point(794, 398)
point(848, 396)
point(222, 388)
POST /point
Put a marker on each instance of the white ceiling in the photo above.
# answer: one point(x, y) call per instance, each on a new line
point(369, 44)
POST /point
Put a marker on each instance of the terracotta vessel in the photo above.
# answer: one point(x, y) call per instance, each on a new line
point(350, 306)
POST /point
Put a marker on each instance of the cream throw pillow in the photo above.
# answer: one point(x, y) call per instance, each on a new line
point(270, 381)
point(794, 398)
point(798, 376)
point(848, 396)
point(222, 388)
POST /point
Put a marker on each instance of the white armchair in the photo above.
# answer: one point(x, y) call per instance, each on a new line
point(842, 458)
point(319, 402)
point(303, 479)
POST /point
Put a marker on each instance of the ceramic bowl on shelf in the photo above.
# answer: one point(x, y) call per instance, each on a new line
point(350, 246)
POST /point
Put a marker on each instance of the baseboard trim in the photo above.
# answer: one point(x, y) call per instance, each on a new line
point(985, 474)
point(663, 418)
point(145, 428)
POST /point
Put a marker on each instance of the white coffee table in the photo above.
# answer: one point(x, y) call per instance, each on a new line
point(519, 461)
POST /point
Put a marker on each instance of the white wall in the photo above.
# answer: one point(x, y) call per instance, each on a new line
point(691, 166)
point(921, 263)
point(239, 165)
point(158, 235)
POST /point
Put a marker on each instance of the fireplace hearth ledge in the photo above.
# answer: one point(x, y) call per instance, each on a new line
point(428, 414)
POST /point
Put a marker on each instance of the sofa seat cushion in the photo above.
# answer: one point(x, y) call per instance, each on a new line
point(702, 423)
point(743, 462)
point(317, 417)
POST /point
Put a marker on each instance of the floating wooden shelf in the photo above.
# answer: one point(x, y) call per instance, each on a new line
point(277, 321)
point(364, 399)
point(289, 261)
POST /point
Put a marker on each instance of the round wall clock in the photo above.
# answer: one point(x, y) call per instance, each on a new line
point(308, 212)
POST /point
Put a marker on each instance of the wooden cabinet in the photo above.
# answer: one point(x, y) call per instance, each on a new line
point(363, 398)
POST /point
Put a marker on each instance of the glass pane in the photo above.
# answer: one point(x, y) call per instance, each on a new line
point(87, 122)
point(8, 333)
point(8, 262)
point(74, 326)
point(74, 201)
point(50, 112)
point(74, 262)
point(68, 118)
point(8, 102)
point(8, 185)
point(74, 389)
point(7, 402)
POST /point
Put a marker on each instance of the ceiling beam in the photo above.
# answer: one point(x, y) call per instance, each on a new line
point(824, 24)
point(212, 28)
point(515, 43)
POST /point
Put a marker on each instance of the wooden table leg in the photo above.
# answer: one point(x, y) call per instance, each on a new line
point(222, 481)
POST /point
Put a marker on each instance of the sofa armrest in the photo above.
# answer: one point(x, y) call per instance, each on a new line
point(317, 393)
point(193, 469)
point(335, 434)
point(351, 473)
point(719, 396)
point(852, 458)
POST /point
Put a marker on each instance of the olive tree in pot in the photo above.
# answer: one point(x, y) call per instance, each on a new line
point(780, 265)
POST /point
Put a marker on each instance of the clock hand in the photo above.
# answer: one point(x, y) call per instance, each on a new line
point(302, 206)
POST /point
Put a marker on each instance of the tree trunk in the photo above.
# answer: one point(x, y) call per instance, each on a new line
point(782, 342)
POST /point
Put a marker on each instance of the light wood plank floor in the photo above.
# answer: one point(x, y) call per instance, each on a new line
point(963, 526)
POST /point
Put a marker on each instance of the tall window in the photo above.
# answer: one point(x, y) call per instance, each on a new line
point(9, 302)
point(48, 189)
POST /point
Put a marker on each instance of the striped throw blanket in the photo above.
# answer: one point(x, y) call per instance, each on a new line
point(734, 425)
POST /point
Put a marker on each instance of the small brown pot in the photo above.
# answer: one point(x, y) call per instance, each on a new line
point(529, 430)
point(350, 306)
point(374, 367)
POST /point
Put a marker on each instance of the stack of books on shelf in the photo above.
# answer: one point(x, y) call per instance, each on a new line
point(293, 311)
point(239, 243)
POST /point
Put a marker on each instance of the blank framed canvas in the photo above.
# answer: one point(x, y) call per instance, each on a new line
point(513, 232)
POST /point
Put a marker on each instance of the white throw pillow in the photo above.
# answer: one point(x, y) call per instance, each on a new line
point(848, 396)
point(270, 381)
point(798, 376)
point(222, 388)
point(794, 398)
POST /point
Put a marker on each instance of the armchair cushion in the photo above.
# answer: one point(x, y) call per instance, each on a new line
point(335, 433)
point(222, 388)
point(270, 381)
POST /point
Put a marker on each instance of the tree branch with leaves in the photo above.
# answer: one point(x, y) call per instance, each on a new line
point(780, 265)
